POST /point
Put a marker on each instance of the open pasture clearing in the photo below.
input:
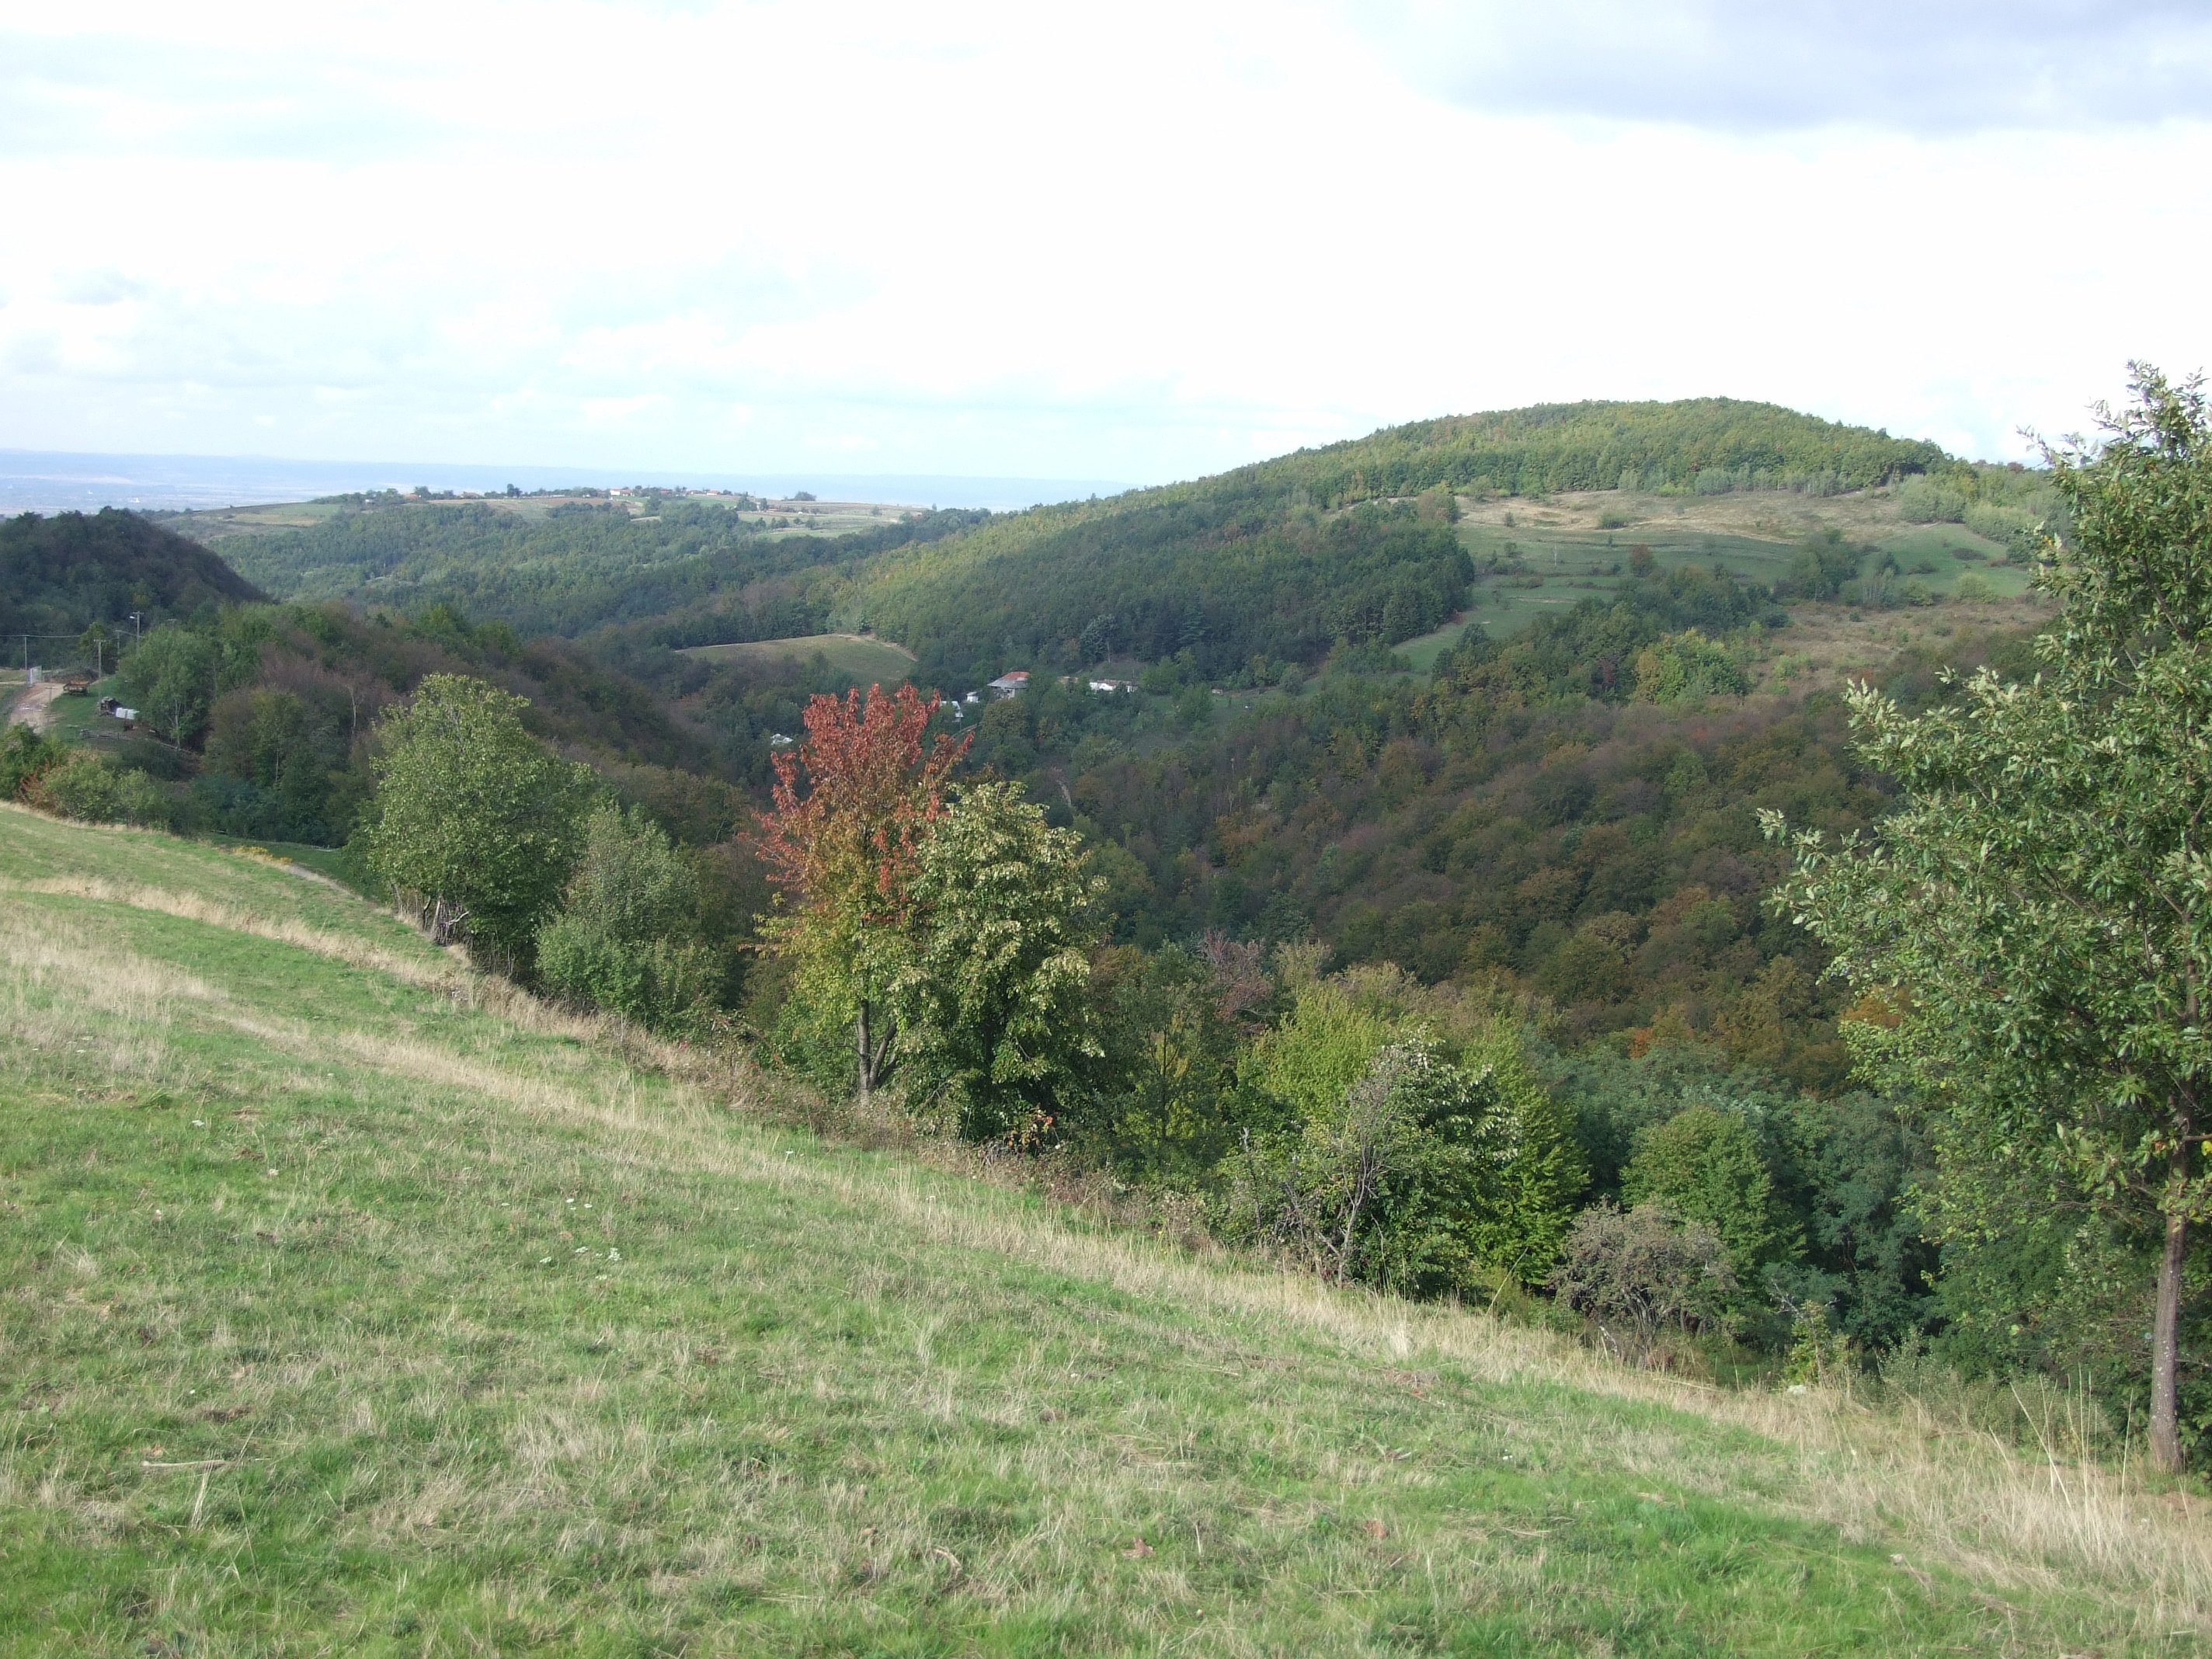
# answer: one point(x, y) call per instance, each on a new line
point(351, 1303)
point(862, 658)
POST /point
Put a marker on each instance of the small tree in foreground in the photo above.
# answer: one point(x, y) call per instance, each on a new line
point(2035, 922)
point(474, 821)
point(990, 999)
point(852, 805)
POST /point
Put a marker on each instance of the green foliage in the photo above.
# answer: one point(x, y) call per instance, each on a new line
point(473, 821)
point(1531, 1203)
point(627, 937)
point(86, 788)
point(1163, 1105)
point(1637, 1273)
point(170, 677)
point(24, 754)
point(990, 1001)
point(1381, 1158)
point(1385, 1182)
point(1685, 666)
point(1703, 1165)
point(1209, 572)
point(1592, 445)
point(74, 571)
point(2035, 923)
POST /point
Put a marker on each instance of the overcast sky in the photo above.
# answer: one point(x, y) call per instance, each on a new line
point(1137, 241)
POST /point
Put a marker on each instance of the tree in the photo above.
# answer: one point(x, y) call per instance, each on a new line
point(171, 676)
point(627, 938)
point(990, 997)
point(1703, 1165)
point(847, 852)
point(2032, 929)
point(474, 821)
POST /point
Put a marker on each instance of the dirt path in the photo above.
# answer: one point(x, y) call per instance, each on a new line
point(35, 708)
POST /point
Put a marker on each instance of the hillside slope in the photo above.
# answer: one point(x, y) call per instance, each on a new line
point(1280, 561)
point(60, 574)
point(352, 1305)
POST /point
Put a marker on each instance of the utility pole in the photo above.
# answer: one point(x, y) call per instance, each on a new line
point(139, 617)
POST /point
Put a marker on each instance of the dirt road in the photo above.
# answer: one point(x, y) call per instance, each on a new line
point(35, 708)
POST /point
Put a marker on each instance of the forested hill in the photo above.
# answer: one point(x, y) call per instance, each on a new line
point(1282, 559)
point(58, 575)
point(1706, 443)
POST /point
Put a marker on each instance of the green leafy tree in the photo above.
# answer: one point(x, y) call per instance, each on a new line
point(990, 1000)
point(474, 821)
point(1704, 1164)
point(170, 677)
point(1531, 1202)
point(2036, 917)
point(627, 938)
point(1391, 1162)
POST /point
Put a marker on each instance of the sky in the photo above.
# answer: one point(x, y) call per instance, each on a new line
point(1134, 242)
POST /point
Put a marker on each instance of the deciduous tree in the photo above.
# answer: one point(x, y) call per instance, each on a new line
point(474, 820)
point(2036, 918)
point(853, 803)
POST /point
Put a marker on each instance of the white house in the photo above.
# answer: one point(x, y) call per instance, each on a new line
point(1007, 684)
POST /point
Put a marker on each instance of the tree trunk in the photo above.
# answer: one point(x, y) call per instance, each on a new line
point(2165, 1329)
point(867, 1053)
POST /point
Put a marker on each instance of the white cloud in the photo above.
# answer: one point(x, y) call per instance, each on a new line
point(1010, 238)
point(1927, 66)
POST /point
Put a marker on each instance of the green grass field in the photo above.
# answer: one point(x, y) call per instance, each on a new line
point(353, 1303)
point(863, 659)
point(1578, 564)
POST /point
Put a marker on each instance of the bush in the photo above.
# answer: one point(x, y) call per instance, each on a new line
point(1703, 1165)
point(24, 755)
point(1924, 501)
point(1640, 1273)
point(626, 939)
point(1388, 1184)
point(1974, 588)
point(85, 787)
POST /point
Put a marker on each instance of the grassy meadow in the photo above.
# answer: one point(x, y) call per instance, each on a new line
point(353, 1302)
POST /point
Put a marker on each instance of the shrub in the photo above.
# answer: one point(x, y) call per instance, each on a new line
point(1385, 1184)
point(1639, 1273)
point(1924, 501)
point(86, 788)
point(1684, 665)
point(24, 754)
point(1974, 588)
point(626, 939)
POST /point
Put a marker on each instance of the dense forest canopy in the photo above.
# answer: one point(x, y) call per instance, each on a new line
point(1682, 445)
point(60, 575)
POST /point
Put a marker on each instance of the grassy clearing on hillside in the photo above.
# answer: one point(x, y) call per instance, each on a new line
point(865, 659)
point(350, 1305)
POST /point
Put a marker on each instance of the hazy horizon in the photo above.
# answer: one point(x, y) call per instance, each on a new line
point(60, 481)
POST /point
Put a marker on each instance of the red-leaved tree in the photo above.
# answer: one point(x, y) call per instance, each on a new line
point(853, 803)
